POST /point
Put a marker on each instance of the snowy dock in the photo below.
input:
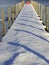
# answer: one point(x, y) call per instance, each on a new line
point(26, 42)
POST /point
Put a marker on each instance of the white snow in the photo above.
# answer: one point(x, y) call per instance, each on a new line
point(25, 43)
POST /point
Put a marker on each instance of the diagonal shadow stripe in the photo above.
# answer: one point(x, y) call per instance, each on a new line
point(28, 14)
point(32, 34)
point(30, 17)
point(30, 21)
point(30, 26)
point(29, 50)
point(10, 61)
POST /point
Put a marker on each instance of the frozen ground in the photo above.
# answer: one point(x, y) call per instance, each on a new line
point(26, 42)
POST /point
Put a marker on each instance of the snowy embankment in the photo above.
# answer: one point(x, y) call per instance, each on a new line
point(26, 42)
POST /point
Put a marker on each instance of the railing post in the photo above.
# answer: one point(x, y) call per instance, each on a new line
point(22, 3)
point(32, 3)
point(39, 9)
point(15, 10)
point(3, 22)
point(43, 14)
point(47, 19)
point(12, 12)
point(9, 18)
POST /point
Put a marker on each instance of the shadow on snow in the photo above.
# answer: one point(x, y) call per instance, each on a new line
point(28, 16)
point(32, 34)
point(30, 26)
point(29, 50)
point(10, 61)
point(30, 21)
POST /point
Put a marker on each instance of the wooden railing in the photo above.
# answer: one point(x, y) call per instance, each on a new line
point(43, 12)
point(12, 14)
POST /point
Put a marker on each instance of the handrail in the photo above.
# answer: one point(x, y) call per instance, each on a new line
point(43, 12)
point(12, 14)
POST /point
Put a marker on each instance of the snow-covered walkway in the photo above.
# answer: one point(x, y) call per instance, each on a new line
point(26, 42)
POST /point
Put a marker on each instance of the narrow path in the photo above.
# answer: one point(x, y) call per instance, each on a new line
point(25, 43)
